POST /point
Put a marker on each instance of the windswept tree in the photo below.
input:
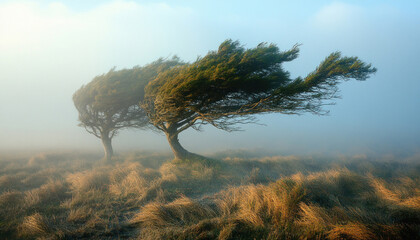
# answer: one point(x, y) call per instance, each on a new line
point(110, 101)
point(233, 84)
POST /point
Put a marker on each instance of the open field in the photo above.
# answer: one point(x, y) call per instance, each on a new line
point(148, 196)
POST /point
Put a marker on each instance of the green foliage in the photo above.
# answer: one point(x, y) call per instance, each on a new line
point(234, 83)
point(110, 101)
point(309, 94)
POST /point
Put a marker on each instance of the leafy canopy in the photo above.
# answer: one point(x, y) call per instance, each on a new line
point(230, 85)
point(110, 101)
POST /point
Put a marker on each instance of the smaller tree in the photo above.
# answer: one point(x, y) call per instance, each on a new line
point(110, 101)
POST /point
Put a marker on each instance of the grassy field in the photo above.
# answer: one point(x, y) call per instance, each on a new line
point(232, 196)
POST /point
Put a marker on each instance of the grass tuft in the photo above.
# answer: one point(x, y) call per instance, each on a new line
point(35, 225)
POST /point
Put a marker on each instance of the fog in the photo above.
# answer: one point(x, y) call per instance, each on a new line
point(48, 49)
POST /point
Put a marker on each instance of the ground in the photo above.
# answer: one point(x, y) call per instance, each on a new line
point(231, 195)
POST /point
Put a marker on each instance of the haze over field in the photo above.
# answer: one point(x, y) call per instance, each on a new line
point(50, 48)
point(353, 174)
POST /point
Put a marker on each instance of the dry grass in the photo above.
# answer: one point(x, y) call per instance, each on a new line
point(181, 212)
point(8, 182)
point(350, 231)
point(131, 180)
point(406, 193)
point(53, 191)
point(35, 225)
point(11, 199)
point(80, 214)
point(88, 180)
point(147, 196)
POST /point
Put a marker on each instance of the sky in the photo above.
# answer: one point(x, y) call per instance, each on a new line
point(49, 49)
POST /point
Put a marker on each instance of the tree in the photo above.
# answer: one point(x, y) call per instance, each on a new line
point(233, 84)
point(110, 101)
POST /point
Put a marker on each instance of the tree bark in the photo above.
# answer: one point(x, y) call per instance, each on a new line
point(109, 152)
point(177, 149)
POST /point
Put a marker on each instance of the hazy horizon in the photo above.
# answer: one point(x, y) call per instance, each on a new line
point(49, 49)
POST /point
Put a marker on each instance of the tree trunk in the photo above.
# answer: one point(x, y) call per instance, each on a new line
point(177, 149)
point(106, 142)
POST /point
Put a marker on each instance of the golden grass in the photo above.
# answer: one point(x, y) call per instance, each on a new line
point(35, 225)
point(280, 210)
point(80, 214)
point(313, 218)
point(10, 199)
point(192, 170)
point(131, 179)
point(355, 231)
point(133, 183)
point(65, 196)
point(249, 207)
point(88, 180)
point(51, 191)
point(258, 204)
point(9, 182)
point(405, 194)
point(181, 212)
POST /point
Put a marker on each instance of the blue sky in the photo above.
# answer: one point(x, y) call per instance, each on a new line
point(50, 48)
